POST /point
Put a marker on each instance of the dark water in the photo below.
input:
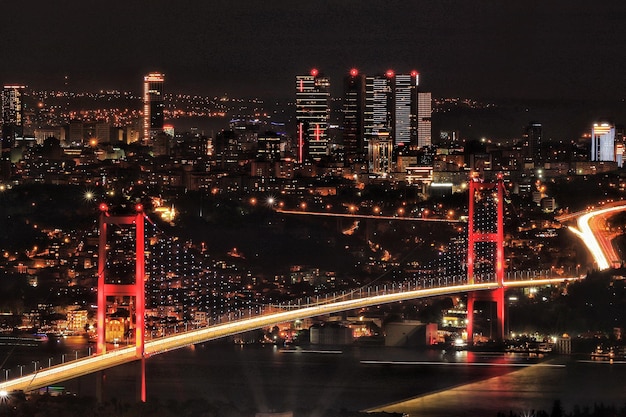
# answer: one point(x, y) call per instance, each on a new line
point(266, 378)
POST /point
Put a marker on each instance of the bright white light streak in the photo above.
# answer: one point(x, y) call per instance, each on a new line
point(589, 239)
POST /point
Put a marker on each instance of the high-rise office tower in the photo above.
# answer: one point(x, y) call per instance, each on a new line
point(353, 116)
point(12, 105)
point(153, 105)
point(394, 110)
point(392, 107)
point(378, 121)
point(424, 114)
point(603, 141)
point(378, 104)
point(532, 143)
point(12, 125)
point(312, 114)
point(404, 116)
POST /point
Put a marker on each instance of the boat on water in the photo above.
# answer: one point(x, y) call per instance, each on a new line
point(21, 339)
point(531, 347)
point(602, 353)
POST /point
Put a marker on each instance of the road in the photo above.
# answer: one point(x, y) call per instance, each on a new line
point(592, 231)
point(370, 216)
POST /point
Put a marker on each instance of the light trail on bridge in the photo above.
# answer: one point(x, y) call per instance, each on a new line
point(74, 369)
point(368, 216)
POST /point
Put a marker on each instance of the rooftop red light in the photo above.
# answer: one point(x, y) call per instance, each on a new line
point(414, 73)
point(314, 72)
point(104, 207)
point(138, 208)
point(354, 72)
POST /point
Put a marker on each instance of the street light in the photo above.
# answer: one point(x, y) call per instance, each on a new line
point(36, 363)
point(21, 370)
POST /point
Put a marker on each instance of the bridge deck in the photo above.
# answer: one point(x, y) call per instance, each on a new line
point(84, 366)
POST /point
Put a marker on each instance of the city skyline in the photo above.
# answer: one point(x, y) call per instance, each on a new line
point(475, 49)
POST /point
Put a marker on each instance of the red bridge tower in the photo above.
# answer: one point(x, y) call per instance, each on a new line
point(136, 290)
point(485, 252)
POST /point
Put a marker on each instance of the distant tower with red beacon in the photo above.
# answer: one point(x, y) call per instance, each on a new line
point(312, 115)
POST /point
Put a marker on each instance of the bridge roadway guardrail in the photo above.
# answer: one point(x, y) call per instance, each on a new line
point(265, 316)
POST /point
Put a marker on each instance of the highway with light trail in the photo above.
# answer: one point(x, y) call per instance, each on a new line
point(69, 370)
point(594, 236)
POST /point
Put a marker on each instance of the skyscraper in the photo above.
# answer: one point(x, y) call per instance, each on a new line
point(404, 128)
point(378, 103)
point(424, 114)
point(353, 116)
point(12, 105)
point(394, 107)
point(312, 114)
point(532, 143)
point(12, 125)
point(603, 141)
point(153, 105)
point(395, 111)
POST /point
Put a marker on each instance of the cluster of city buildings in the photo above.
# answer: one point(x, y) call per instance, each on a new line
point(381, 114)
point(378, 132)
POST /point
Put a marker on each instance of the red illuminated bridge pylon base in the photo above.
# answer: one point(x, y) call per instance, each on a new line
point(492, 296)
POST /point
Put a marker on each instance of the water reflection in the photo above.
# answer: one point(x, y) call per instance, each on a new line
point(425, 383)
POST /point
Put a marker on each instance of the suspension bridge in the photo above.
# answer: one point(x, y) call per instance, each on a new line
point(478, 286)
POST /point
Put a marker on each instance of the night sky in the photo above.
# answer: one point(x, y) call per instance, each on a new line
point(485, 48)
